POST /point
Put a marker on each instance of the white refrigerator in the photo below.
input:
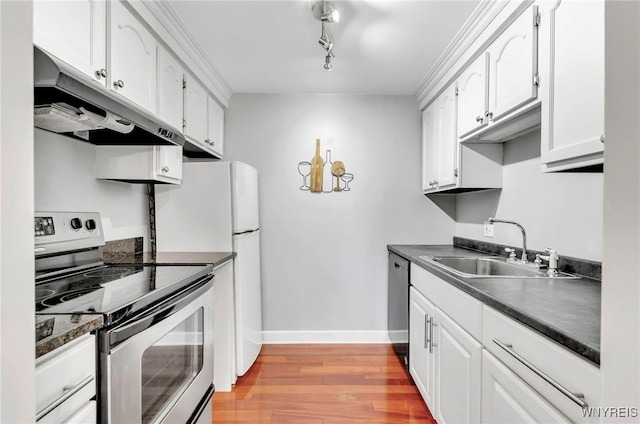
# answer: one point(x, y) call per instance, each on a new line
point(215, 209)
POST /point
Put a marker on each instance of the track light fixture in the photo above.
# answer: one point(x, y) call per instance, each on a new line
point(326, 12)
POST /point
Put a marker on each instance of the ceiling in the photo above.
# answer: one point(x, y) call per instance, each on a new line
point(271, 46)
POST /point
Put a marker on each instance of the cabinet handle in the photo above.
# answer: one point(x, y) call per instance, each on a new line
point(68, 392)
point(427, 322)
point(432, 344)
point(165, 169)
point(488, 114)
point(101, 73)
point(602, 138)
point(479, 119)
point(577, 398)
point(118, 84)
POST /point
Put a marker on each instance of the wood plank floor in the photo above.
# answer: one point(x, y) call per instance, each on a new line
point(323, 384)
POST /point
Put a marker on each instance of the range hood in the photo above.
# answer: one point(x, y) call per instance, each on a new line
point(68, 102)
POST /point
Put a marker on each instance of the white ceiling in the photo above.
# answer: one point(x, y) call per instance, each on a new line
point(271, 46)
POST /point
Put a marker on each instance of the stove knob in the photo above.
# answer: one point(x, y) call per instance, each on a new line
point(76, 223)
point(90, 224)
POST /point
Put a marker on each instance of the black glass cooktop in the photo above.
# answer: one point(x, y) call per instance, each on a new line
point(114, 291)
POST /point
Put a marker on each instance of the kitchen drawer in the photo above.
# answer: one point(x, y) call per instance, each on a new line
point(68, 369)
point(565, 368)
point(85, 415)
point(459, 306)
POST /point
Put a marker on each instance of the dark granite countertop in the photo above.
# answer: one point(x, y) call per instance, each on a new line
point(168, 258)
point(565, 310)
point(53, 331)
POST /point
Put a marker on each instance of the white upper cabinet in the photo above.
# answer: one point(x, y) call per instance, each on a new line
point(448, 143)
point(573, 98)
point(204, 119)
point(513, 66)
point(215, 127)
point(159, 164)
point(195, 110)
point(132, 52)
point(170, 80)
point(472, 97)
point(439, 142)
point(448, 165)
point(429, 148)
point(74, 31)
point(498, 92)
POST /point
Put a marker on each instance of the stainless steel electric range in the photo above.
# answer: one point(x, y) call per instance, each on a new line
point(155, 361)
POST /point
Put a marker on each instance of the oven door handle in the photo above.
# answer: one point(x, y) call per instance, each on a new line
point(161, 312)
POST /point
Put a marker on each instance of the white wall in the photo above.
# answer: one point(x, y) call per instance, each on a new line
point(562, 211)
point(620, 339)
point(65, 181)
point(17, 338)
point(324, 257)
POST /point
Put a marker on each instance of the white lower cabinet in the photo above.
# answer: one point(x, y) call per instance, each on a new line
point(474, 364)
point(224, 367)
point(421, 358)
point(458, 376)
point(506, 398)
point(445, 359)
point(66, 383)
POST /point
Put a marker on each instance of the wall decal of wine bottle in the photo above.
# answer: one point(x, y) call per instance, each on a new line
point(323, 175)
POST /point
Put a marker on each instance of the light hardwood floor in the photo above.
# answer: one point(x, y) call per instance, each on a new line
point(323, 384)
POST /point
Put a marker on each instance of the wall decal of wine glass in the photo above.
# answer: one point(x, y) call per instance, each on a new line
point(304, 169)
point(347, 178)
point(318, 175)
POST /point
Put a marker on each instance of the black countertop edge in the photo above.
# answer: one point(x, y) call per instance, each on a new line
point(168, 258)
point(588, 352)
point(582, 267)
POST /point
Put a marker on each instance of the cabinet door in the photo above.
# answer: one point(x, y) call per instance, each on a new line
point(421, 357)
point(132, 57)
point(573, 106)
point(472, 97)
point(195, 110)
point(169, 162)
point(508, 399)
point(458, 375)
point(429, 149)
point(170, 78)
point(215, 127)
point(447, 140)
point(74, 31)
point(512, 66)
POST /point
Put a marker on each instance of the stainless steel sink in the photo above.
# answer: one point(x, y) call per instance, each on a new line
point(489, 267)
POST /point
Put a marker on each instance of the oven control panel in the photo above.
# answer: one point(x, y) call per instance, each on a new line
point(63, 231)
point(44, 226)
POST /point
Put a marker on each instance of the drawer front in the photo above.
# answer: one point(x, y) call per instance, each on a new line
point(70, 368)
point(508, 399)
point(459, 306)
point(523, 349)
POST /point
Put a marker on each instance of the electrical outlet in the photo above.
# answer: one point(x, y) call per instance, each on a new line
point(488, 229)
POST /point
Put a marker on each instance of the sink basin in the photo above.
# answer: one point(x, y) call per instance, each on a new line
point(488, 267)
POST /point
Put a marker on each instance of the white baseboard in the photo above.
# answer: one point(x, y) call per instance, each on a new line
point(295, 337)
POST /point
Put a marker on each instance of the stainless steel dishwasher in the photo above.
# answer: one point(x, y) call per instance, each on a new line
point(398, 307)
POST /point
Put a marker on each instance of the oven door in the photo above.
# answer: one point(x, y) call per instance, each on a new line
point(159, 367)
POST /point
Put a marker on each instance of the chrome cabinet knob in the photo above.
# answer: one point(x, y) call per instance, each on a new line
point(602, 138)
point(101, 73)
point(488, 114)
point(165, 169)
point(479, 119)
point(118, 84)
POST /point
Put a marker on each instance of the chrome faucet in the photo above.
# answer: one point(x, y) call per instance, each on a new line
point(523, 259)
